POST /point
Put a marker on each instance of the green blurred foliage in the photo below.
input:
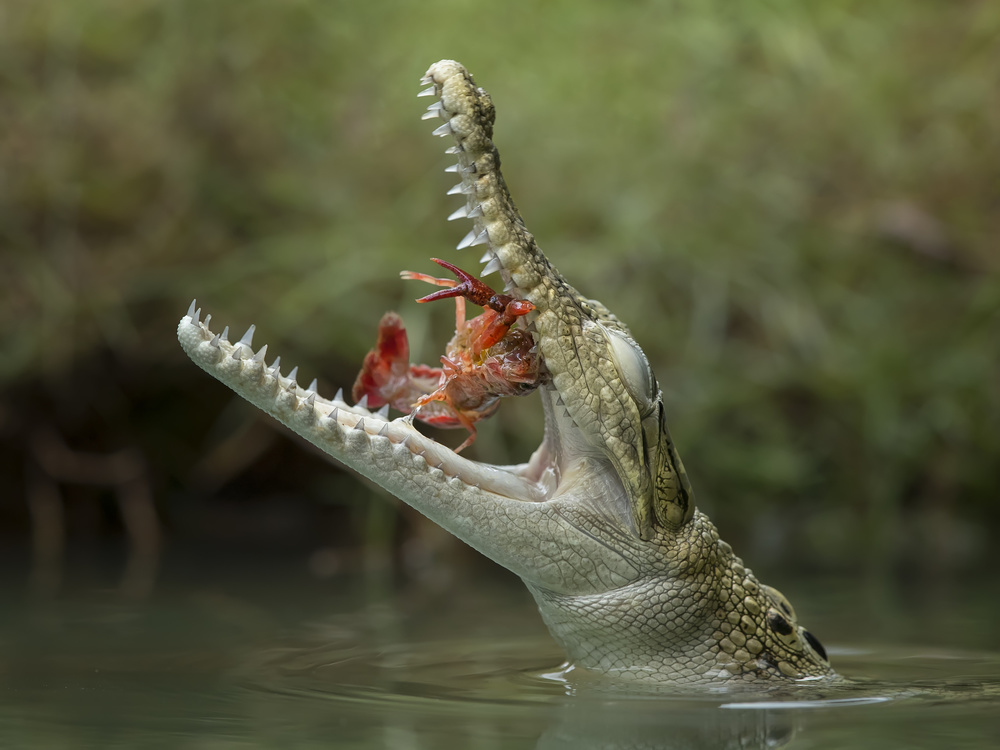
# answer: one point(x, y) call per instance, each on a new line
point(794, 205)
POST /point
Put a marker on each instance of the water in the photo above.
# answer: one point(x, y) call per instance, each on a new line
point(265, 656)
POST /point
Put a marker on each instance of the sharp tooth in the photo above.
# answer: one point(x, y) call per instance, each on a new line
point(384, 411)
point(225, 334)
point(191, 309)
point(461, 188)
point(259, 356)
point(384, 432)
point(476, 211)
point(429, 91)
point(363, 402)
point(453, 168)
point(459, 213)
point(435, 110)
point(215, 341)
point(340, 395)
point(332, 416)
point(314, 385)
point(275, 368)
point(560, 402)
point(471, 169)
point(208, 319)
point(426, 79)
point(443, 130)
point(248, 336)
point(510, 286)
point(456, 149)
point(237, 352)
point(492, 267)
point(487, 257)
point(292, 375)
point(481, 239)
point(360, 425)
point(467, 240)
point(311, 401)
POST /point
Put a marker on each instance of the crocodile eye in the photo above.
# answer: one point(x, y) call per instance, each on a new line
point(633, 367)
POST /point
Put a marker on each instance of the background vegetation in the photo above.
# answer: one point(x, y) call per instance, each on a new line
point(794, 205)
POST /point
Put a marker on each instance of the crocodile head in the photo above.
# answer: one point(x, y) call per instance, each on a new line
point(600, 523)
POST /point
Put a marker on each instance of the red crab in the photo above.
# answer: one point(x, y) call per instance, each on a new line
point(485, 361)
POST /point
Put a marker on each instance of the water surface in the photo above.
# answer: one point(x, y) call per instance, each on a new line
point(262, 655)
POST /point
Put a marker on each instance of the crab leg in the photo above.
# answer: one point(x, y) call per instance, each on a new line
point(463, 420)
point(459, 300)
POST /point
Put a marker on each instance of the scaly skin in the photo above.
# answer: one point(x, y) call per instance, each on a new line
point(600, 524)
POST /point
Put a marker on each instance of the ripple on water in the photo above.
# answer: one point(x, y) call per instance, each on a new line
point(524, 673)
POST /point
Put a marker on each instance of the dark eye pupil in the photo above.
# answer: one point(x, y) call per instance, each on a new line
point(817, 646)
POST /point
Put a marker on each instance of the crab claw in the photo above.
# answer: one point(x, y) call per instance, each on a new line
point(386, 367)
point(473, 290)
point(468, 286)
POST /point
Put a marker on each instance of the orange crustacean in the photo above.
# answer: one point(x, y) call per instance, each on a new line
point(486, 360)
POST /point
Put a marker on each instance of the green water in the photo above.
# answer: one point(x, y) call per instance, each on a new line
point(264, 655)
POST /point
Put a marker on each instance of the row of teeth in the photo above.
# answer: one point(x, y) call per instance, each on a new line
point(243, 350)
point(339, 415)
point(473, 238)
point(376, 424)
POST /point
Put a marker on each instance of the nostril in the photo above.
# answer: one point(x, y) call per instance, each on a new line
point(814, 642)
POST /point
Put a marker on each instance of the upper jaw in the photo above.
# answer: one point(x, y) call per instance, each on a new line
point(589, 410)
